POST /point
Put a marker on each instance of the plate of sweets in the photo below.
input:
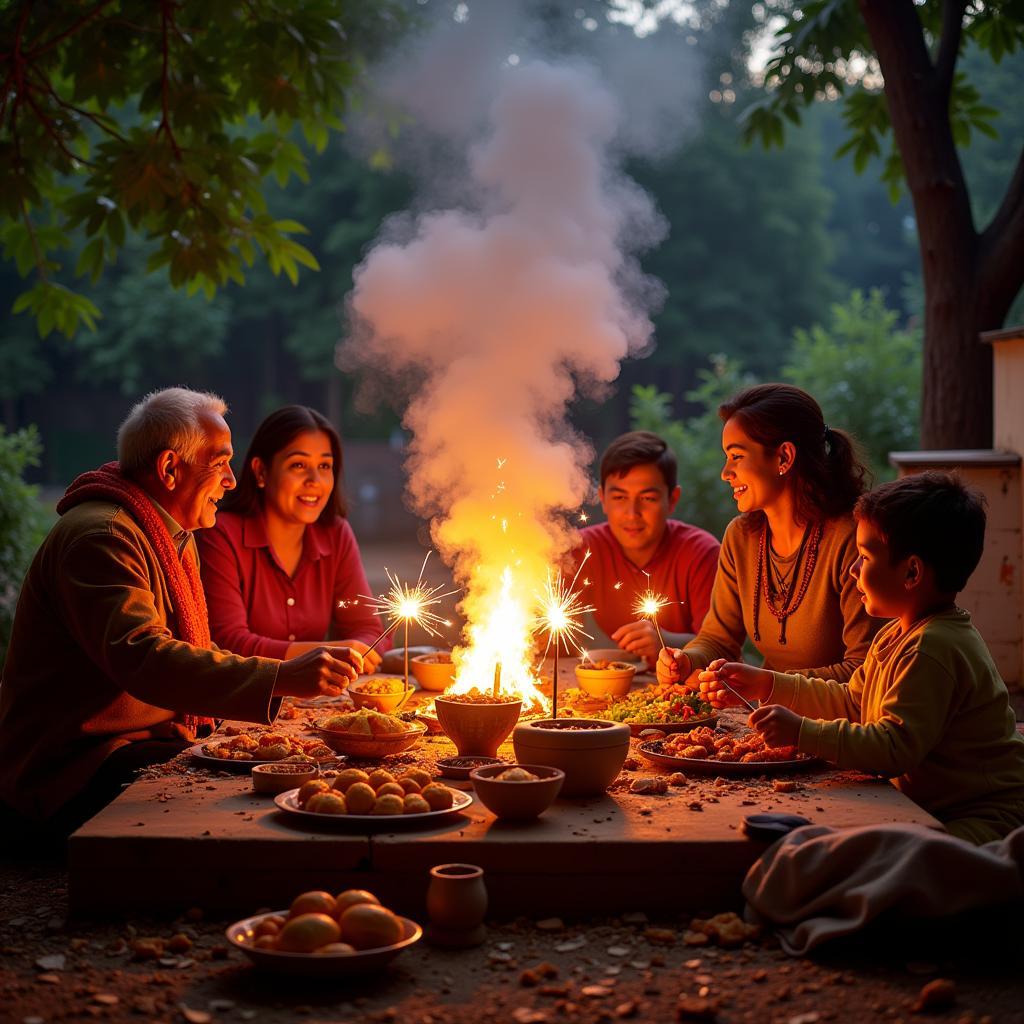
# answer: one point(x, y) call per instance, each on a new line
point(366, 733)
point(374, 800)
point(670, 708)
point(243, 750)
point(703, 751)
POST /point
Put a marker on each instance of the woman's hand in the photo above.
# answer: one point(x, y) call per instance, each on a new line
point(325, 671)
point(371, 660)
point(779, 726)
point(746, 680)
point(673, 666)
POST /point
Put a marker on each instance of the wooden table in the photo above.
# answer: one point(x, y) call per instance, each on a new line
point(192, 837)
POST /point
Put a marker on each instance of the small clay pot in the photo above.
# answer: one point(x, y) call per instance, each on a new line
point(517, 801)
point(433, 671)
point(605, 682)
point(477, 728)
point(590, 751)
point(456, 903)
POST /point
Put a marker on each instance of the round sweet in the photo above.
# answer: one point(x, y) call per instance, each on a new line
point(379, 777)
point(389, 804)
point(327, 803)
point(415, 804)
point(437, 796)
point(391, 787)
point(349, 777)
point(310, 789)
point(360, 798)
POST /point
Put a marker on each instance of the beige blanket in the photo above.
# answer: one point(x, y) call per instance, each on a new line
point(819, 883)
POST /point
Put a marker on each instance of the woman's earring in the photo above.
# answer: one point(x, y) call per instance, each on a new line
point(259, 483)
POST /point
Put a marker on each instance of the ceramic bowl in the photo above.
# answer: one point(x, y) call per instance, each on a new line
point(477, 728)
point(613, 681)
point(395, 698)
point(460, 767)
point(433, 672)
point(589, 750)
point(279, 778)
point(518, 801)
point(358, 744)
point(241, 935)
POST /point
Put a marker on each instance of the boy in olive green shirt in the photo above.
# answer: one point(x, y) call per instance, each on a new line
point(928, 708)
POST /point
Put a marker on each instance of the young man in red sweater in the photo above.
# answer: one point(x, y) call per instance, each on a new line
point(640, 548)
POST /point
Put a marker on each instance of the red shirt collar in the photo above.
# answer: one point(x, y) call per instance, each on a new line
point(315, 543)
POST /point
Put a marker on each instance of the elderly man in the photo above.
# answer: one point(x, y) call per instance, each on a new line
point(110, 666)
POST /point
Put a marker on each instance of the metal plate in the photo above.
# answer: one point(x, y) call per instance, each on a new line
point(288, 802)
point(651, 751)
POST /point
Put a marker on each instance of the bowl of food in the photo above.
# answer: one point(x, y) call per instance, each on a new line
point(280, 777)
point(324, 935)
point(366, 733)
point(383, 693)
point(603, 678)
point(433, 672)
point(517, 791)
point(477, 723)
point(590, 751)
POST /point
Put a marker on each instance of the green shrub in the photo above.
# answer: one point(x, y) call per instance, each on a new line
point(22, 521)
point(866, 375)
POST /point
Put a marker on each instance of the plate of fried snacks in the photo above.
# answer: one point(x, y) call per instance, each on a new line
point(242, 751)
point(366, 733)
point(376, 800)
point(702, 751)
point(322, 935)
point(670, 708)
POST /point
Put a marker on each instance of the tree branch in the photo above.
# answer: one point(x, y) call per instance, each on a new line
point(40, 262)
point(77, 26)
point(165, 123)
point(100, 120)
point(47, 123)
point(949, 43)
point(1001, 255)
point(17, 68)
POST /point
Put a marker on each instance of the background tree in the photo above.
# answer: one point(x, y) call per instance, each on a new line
point(165, 117)
point(971, 276)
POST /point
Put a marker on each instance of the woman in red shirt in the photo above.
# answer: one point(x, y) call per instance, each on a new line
point(281, 567)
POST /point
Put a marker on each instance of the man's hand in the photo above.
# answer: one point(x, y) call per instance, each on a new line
point(639, 638)
point(325, 671)
point(673, 666)
point(744, 679)
point(779, 726)
point(371, 660)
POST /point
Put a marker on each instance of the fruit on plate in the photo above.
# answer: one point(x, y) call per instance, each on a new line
point(320, 924)
point(355, 792)
point(365, 722)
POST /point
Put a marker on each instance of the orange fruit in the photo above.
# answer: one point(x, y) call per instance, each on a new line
point(350, 897)
point(266, 927)
point(316, 902)
point(335, 949)
point(326, 803)
point(369, 926)
point(379, 777)
point(415, 804)
point(424, 778)
point(360, 798)
point(311, 788)
point(391, 787)
point(389, 803)
point(348, 777)
point(307, 932)
point(409, 784)
point(439, 797)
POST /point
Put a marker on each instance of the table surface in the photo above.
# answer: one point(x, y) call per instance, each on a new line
point(186, 835)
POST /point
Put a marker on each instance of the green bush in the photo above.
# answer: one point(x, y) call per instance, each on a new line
point(697, 441)
point(22, 521)
point(866, 375)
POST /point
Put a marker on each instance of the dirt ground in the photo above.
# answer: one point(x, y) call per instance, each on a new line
point(53, 968)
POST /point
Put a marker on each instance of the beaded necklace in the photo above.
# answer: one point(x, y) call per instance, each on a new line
point(790, 600)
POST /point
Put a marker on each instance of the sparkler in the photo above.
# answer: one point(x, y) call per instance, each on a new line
point(647, 606)
point(404, 604)
point(561, 609)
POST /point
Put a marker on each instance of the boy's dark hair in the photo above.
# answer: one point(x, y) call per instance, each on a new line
point(638, 448)
point(934, 516)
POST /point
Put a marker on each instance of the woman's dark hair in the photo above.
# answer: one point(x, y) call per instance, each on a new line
point(827, 468)
point(271, 437)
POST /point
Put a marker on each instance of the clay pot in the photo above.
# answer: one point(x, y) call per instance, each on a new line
point(433, 671)
point(477, 728)
point(517, 801)
point(614, 681)
point(456, 903)
point(588, 750)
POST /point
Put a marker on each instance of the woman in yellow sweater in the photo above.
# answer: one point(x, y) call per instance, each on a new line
point(783, 571)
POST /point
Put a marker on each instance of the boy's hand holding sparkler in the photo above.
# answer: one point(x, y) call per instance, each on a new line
point(673, 666)
point(721, 676)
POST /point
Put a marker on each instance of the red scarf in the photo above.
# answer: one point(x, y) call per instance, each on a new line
point(107, 484)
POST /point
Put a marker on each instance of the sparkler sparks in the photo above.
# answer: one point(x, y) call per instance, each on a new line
point(647, 606)
point(405, 603)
